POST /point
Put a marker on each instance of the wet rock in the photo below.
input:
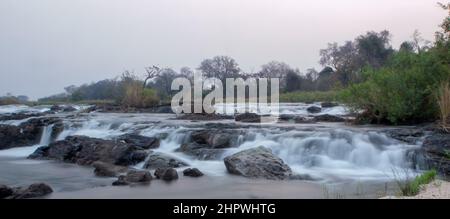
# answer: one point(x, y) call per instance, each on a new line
point(166, 174)
point(214, 138)
point(62, 108)
point(138, 176)
point(201, 151)
point(406, 135)
point(257, 163)
point(33, 191)
point(192, 172)
point(159, 160)
point(302, 177)
point(133, 177)
point(436, 149)
point(328, 118)
point(286, 117)
point(303, 120)
point(5, 191)
point(139, 141)
point(107, 170)
point(314, 109)
point(248, 117)
point(328, 104)
point(85, 151)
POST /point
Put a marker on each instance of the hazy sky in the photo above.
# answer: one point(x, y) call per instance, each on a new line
point(46, 45)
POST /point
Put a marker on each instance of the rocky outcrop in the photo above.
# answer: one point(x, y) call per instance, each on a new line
point(410, 136)
point(35, 190)
point(139, 141)
point(248, 117)
point(257, 163)
point(160, 160)
point(85, 151)
point(314, 109)
point(28, 133)
point(192, 172)
point(133, 176)
point(436, 151)
point(166, 174)
point(328, 118)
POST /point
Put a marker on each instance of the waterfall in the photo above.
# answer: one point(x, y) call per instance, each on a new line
point(46, 136)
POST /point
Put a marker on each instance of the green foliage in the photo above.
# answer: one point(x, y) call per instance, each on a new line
point(313, 96)
point(411, 188)
point(137, 96)
point(402, 91)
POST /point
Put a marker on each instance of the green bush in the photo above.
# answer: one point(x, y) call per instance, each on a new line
point(137, 96)
point(401, 92)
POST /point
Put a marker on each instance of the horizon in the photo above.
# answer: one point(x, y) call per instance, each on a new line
point(95, 40)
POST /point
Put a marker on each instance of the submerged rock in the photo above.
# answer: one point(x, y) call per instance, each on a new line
point(192, 172)
point(314, 109)
point(107, 170)
point(160, 160)
point(85, 151)
point(248, 117)
point(328, 104)
point(257, 163)
point(132, 177)
point(201, 151)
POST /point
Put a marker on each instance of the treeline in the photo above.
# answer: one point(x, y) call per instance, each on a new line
point(390, 85)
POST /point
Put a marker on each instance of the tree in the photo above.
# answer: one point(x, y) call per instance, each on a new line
point(407, 47)
point(374, 48)
point(220, 67)
point(151, 73)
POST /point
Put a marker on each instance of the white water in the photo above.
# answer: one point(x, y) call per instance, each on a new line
point(22, 109)
point(332, 153)
point(284, 108)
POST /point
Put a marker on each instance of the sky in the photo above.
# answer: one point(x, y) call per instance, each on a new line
point(47, 45)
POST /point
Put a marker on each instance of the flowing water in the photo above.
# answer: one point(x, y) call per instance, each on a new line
point(341, 158)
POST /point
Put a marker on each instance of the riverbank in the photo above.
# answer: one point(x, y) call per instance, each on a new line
point(438, 189)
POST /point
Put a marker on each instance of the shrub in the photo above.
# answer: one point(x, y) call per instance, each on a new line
point(137, 96)
point(402, 91)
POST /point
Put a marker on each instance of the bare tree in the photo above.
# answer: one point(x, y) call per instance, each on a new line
point(151, 73)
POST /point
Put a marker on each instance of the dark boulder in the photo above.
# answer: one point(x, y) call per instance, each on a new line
point(139, 141)
point(248, 117)
point(121, 181)
point(328, 104)
point(410, 136)
point(33, 191)
point(192, 172)
point(214, 138)
point(166, 174)
point(203, 117)
point(303, 120)
point(160, 160)
point(85, 151)
point(328, 118)
point(138, 176)
point(257, 163)
point(314, 109)
point(5, 191)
